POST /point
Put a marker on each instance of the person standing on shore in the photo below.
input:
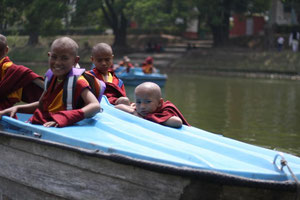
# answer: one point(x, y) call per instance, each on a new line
point(280, 42)
point(294, 40)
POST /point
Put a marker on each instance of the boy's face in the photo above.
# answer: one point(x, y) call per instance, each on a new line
point(146, 103)
point(61, 60)
point(102, 61)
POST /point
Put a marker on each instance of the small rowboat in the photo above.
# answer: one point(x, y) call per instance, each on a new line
point(115, 155)
point(136, 76)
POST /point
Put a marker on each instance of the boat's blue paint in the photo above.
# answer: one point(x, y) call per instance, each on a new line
point(114, 131)
point(136, 76)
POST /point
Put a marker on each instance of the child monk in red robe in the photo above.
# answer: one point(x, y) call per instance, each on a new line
point(51, 109)
point(102, 58)
point(17, 83)
point(147, 66)
point(150, 105)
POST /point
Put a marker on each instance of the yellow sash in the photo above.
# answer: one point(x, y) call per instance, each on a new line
point(16, 94)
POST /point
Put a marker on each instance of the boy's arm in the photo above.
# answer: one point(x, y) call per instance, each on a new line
point(39, 82)
point(25, 108)
point(126, 108)
point(174, 122)
point(92, 105)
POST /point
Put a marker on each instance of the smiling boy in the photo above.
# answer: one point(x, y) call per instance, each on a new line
point(51, 109)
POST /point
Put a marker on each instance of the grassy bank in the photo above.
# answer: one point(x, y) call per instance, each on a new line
point(20, 52)
point(200, 59)
point(240, 60)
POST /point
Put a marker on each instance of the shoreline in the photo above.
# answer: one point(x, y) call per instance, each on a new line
point(259, 75)
point(222, 61)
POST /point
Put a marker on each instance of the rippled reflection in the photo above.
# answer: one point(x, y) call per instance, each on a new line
point(257, 111)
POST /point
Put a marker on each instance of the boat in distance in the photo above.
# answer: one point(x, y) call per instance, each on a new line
point(136, 76)
point(115, 155)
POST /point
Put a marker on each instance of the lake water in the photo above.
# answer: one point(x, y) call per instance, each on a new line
point(263, 112)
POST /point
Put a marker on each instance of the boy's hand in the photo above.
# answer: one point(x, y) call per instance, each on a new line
point(9, 111)
point(50, 124)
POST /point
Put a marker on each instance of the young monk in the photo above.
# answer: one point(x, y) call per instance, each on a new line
point(147, 66)
point(125, 63)
point(150, 105)
point(17, 83)
point(51, 109)
point(102, 58)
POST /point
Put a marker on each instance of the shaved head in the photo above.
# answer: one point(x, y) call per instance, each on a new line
point(103, 48)
point(66, 42)
point(3, 45)
point(150, 88)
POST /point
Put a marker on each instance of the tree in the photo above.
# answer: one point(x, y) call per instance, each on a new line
point(43, 17)
point(292, 6)
point(113, 11)
point(216, 14)
point(118, 13)
point(108, 13)
point(164, 17)
point(9, 13)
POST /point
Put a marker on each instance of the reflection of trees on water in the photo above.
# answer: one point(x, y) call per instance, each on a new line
point(257, 111)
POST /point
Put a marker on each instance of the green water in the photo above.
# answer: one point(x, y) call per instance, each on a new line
point(256, 111)
point(263, 112)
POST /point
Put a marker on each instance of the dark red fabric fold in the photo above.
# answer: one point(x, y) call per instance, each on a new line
point(112, 91)
point(166, 111)
point(16, 77)
point(8, 103)
point(62, 118)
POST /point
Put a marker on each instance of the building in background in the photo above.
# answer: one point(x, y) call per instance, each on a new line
point(242, 25)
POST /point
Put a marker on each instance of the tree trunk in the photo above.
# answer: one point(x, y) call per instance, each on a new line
point(33, 38)
point(221, 32)
point(120, 32)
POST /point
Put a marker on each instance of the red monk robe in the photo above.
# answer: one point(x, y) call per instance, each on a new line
point(163, 113)
point(53, 109)
point(114, 88)
point(16, 84)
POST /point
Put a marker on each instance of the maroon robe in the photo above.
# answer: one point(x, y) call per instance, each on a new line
point(113, 90)
point(16, 77)
point(62, 116)
point(163, 113)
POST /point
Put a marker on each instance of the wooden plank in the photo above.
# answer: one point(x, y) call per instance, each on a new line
point(43, 171)
point(20, 191)
point(68, 174)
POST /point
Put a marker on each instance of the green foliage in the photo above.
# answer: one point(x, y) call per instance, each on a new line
point(9, 13)
point(159, 14)
point(87, 14)
point(43, 16)
point(215, 14)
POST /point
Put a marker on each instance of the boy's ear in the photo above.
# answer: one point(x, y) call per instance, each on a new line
point(161, 101)
point(49, 54)
point(77, 59)
point(92, 58)
point(6, 50)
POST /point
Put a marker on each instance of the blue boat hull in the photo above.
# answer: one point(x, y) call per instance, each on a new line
point(188, 148)
point(136, 77)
